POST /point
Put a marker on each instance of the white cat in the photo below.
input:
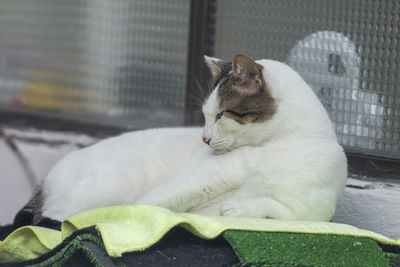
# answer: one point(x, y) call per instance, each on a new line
point(268, 150)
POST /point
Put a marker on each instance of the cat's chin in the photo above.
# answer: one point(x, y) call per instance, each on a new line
point(221, 151)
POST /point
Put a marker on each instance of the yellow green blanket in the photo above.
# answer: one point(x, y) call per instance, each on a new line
point(125, 229)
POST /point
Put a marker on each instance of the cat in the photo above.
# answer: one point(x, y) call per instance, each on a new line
point(267, 150)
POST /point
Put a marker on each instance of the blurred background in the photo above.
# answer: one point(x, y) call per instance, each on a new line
point(105, 61)
point(73, 71)
point(127, 63)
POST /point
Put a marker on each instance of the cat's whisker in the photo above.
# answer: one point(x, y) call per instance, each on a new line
point(202, 92)
point(200, 88)
point(196, 100)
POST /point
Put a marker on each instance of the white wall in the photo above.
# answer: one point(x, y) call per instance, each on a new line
point(370, 206)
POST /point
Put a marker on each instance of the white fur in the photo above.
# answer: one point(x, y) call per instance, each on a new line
point(289, 167)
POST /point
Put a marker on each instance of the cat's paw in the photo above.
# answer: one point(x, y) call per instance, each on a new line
point(232, 208)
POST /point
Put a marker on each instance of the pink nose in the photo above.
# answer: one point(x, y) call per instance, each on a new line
point(206, 140)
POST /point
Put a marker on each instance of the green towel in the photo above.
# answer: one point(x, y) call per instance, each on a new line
point(28, 242)
point(137, 227)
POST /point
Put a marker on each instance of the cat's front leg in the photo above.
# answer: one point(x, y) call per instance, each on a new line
point(174, 193)
point(259, 207)
point(195, 185)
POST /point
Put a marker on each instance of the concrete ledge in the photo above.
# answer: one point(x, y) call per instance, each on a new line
point(371, 206)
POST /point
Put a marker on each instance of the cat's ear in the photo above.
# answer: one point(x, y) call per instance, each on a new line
point(215, 65)
point(248, 74)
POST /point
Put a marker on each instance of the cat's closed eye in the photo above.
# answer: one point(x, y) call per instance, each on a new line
point(219, 116)
point(232, 113)
point(238, 114)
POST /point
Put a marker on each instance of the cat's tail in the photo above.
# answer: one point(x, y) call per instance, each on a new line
point(31, 213)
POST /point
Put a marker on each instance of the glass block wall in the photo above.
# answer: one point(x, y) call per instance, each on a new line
point(347, 50)
point(114, 62)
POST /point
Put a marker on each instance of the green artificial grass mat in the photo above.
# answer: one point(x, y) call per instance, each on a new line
point(294, 249)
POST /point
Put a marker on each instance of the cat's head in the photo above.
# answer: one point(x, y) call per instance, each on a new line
point(240, 104)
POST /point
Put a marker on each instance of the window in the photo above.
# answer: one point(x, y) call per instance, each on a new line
point(111, 62)
point(348, 51)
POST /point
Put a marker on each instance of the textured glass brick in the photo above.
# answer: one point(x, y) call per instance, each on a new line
point(118, 62)
point(347, 50)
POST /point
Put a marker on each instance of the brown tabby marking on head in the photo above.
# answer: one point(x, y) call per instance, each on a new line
point(244, 95)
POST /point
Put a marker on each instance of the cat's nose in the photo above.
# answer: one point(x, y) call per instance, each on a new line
point(206, 140)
